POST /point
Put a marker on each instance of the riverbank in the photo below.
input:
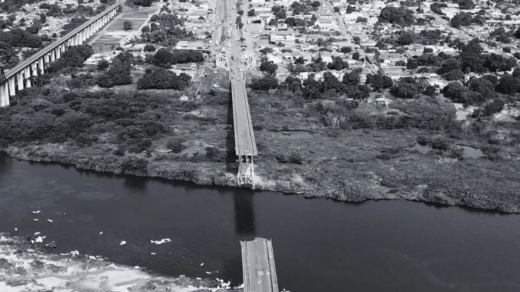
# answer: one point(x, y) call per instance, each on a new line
point(367, 171)
point(370, 155)
point(23, 267)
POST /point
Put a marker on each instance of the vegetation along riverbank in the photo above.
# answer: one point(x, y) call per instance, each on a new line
point(319, 146)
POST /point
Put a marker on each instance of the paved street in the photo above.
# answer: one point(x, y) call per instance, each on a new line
point(339, 20)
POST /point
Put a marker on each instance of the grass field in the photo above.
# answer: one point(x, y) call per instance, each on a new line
point(137, 15)
point(117, 24)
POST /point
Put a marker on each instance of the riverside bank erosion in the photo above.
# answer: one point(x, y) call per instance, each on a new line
point(23, 267)
point(406, 174)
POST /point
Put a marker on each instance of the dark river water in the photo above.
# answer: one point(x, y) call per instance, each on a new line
point(319, 245)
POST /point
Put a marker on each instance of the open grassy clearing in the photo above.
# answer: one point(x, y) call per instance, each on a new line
point(117, 25)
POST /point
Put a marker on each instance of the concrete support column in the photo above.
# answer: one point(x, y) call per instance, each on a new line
point(52, 55)
point(12, 87)
point(34, 67)
point(46, 58)
point(4, 95)
point(27, 76)
point(19, 80)
point(41, 66)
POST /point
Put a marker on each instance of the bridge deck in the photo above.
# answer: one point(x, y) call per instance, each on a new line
point(258, 266)
point(245, 143)
point(34, 58)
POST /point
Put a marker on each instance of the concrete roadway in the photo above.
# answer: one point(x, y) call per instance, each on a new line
point(258, 266)
point(245, 143)
point(338, 17)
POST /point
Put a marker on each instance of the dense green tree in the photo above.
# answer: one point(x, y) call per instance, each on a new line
point(337, 64)
point(411, 64)
point(461, 19)
point(436, 7)
point(405, 39)
point(353, 78)
point(493, 107)
point(165, 58)
point(453, 90)
point(401, 16)
point(149, 48)
point(455, 74)
point(346, 50)
point(102, 65)
point(312, 88)
point(127, 25)
point(466, 4)
point(404, 90)
point(268, 67)
point(508, 85)
point(378, 81)
point(496, 62)
point(163, 79)
point(268, 81)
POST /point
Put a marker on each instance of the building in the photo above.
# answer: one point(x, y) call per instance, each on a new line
point(191, 45)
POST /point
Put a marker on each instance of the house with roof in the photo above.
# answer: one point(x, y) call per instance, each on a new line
point(257, 3)
point(286, 38)
point(325, 57)
point(326, 24)
point(191, 45)
point(275, 59)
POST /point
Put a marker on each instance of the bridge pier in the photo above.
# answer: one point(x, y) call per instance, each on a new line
point(19, 77)
point(12, 88)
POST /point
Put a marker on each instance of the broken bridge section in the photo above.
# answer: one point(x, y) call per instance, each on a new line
point(258, 266)
point(245, 143)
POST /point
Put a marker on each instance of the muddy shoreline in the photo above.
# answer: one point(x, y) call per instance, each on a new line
point(217, 174)
point(24, 266)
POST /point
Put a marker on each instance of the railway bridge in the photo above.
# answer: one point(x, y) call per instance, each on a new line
point(19, 77)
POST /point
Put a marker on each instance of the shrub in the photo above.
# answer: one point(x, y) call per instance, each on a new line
point(176, 145)
point(149, 48)
point(127, 25)
point(102, 64)
point(493, 107)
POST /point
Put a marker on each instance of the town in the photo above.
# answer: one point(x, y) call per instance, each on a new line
point(148, 91)
point(346, 100)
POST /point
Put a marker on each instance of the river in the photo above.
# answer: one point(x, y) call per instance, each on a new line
point(319, 245)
